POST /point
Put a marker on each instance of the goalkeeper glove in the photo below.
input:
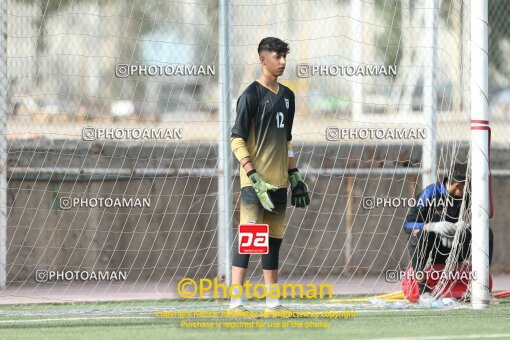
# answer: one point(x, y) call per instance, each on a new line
point(443, 228)
point(447, 241)
point(261, 189)
point(300, 198)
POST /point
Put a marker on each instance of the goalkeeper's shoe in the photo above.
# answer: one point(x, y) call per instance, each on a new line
point(262, 189)
point(237, 312)
point(278, 312)
point(300, 198)
point(425, 300)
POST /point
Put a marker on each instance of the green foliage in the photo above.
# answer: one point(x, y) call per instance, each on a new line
point(499, 30)
point(388, 43)
point(48, 8)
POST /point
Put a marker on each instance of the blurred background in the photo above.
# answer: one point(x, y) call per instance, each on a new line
point(61, 58)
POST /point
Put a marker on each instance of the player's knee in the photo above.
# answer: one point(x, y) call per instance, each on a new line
point(270, 260)
point(412, 246)
point(240, 260)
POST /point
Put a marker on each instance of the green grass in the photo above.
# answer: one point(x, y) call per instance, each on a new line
point(456, 323)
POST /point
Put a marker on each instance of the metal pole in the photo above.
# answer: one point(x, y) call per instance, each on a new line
point(224, 152)
point(429, 98)
point(3, 142)
point(357, 58)
point(349, 222)
point(479, 154)
point(465, 57)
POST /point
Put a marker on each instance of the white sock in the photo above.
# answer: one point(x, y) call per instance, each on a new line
point(271, 302)
point(235, 302)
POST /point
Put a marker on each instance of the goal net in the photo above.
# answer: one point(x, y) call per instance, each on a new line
point(113, 134)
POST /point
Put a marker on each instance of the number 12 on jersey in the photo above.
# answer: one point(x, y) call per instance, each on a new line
point(279, 120)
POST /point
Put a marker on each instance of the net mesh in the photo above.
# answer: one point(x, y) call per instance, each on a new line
point(73, 112)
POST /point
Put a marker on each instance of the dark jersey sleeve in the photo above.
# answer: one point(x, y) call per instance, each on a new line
point(414, 218)
point(418, 215)
point(292, 110)
point(246, 108)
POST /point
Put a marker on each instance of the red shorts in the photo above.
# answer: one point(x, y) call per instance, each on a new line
point(457, 281)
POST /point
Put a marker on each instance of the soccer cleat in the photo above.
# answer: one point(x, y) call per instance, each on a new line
point(237, 312)
point(425, 300)
point(278, 312)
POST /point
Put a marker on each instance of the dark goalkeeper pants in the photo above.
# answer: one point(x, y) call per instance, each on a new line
point(428, 244)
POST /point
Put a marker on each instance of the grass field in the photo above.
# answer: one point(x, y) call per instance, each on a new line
point(137, 320)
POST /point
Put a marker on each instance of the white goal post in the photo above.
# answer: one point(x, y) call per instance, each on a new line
point(480, 132)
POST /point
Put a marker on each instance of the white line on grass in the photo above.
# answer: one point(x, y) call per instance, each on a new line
point(73, 319)
point(408, 310)
point(470, 336)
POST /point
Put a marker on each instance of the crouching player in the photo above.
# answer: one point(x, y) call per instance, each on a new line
point(431, 225)
point(261, 141)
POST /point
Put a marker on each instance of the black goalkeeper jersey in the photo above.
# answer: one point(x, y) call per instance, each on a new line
point(264, 120)
point(433, 204)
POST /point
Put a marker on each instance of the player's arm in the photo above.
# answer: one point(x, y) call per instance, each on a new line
point(259, 185)
point(246, 105)
point(292, 161)
point(417, 218)
point(300, 197)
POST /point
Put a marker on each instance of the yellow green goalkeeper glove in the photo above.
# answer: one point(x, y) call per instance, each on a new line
point(300, 198)
point(261, 189)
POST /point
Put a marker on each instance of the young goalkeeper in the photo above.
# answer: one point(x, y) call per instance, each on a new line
point(431, 226)
point(261, 141)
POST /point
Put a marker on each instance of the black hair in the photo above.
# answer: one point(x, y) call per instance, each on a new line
point(459, 173)
point(271, 44)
